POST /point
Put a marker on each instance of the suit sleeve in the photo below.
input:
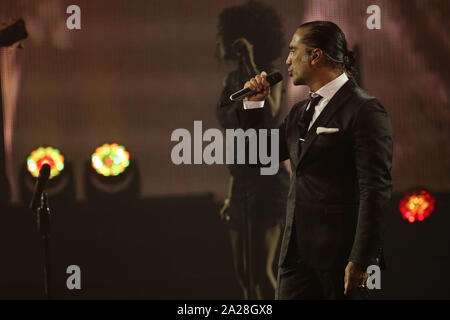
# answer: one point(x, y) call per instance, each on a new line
point(255, 119)
point(373, 146)
point(227, 112)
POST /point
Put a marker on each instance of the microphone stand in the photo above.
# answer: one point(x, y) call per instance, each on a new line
point(43, 224)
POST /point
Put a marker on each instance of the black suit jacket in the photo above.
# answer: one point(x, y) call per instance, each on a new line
point(341, 182)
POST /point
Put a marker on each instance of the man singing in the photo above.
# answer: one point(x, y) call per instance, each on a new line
point(339, 143)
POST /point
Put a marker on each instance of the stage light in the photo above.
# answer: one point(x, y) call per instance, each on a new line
point(416, 205)
point(112, 175)
point(110, 159)
point(42, 155)
point(60, 188)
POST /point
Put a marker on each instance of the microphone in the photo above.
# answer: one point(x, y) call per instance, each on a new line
point(44, 174)
point(272, 78)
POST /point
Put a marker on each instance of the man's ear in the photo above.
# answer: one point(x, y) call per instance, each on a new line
point(315, 55)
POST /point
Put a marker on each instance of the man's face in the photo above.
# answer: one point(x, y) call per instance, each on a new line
point(298, 60)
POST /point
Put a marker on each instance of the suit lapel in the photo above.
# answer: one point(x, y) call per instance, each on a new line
point(341, 96)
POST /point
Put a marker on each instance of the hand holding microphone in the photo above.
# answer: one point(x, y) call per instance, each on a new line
point(260, 85)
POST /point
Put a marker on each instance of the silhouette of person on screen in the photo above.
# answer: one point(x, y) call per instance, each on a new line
point(250, 36)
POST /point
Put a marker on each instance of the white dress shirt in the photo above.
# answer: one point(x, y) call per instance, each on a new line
point(327, 92)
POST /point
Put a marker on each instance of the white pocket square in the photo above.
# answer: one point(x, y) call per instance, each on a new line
point(321, 130)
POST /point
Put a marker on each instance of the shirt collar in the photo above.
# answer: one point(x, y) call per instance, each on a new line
point(330, 89)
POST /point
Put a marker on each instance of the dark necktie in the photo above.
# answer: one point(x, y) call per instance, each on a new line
point(308, 114)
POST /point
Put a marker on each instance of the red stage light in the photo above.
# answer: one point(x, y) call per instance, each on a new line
point(416, 205)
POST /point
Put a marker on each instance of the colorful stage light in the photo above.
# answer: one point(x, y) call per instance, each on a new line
point(42, 155)
point(416, 205)
point(110, 159)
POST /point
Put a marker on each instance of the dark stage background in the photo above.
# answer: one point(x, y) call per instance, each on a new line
point(136, 71)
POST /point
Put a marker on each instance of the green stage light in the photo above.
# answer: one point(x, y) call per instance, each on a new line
point(110, 159)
